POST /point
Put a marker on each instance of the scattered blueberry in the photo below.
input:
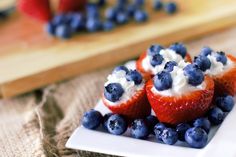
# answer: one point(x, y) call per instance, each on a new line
point(195, 75)
point(205, 51)
point(77, 22)
point(226, 103)
point(157, 5)
point(50, 28)
point(140, 16)
point(105, 120)
point(202, 62)
point(158, 129)
point(220, 57)
point(92, 11)
point(196, 137)
point(181, 129)
point(121, 67)
point(169, 66)
point(203, 123)
point(151, 121)
point(169, 136)
point(156, 60)
point(63, 31)
point(111, 13)
point(154, 49)
point(59, 19)
point(131, 9)
point(139, 129)
point(92, 119)
point(108, 26)
point(163, 81)
point(122, 2)
point(139, 2)
point(171, 7)
point(179, 48)
point(93, 24)
point(113, 92)
point(216, 116)
point(122, 17)
point(134, 75)
point(116, 124)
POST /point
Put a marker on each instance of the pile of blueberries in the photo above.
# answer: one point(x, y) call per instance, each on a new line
point(65, 25)
point(195, 133)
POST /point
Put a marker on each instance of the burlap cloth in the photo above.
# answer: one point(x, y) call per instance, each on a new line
point(39, 123)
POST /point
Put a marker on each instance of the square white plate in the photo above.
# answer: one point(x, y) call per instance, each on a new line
point(221, 143)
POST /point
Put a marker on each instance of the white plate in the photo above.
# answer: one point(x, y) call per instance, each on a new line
point(222, 142)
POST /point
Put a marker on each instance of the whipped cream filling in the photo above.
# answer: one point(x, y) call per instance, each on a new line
point(168, 55)
point(218, 67)
point(180, 84)
point(129, 87)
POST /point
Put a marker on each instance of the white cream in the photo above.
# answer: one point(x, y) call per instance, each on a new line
point(168, 55)
point(129, 87)
point(180, 84)
point(218, 67)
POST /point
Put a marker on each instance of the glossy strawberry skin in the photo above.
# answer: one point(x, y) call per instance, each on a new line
point(178, 109)
point(71, 5)
point(136, 107)
point(226, 82)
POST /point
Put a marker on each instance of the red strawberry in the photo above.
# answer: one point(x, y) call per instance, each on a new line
point(38, 9)
point(226, 82)
point(136, 107)
point(71, 5)
point(147, 74)
point(177, 109)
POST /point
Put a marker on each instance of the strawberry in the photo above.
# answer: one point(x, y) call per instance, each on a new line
point(226, 82)
point(136, 107)
point(177, 109)
point(71, 5)
point(38, 9)
point(148, 74)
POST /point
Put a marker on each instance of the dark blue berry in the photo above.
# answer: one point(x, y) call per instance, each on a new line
point(151, 121)
point(195, 75)
point(163, 81)
point(121, 2)
point(226, 103)
point(92, 119)
point(105, 120)
point(216, 116)
point(116, 124)
point(64, 31)
point(169, 136)
point(113, 92)
point(77, 22)
point(139, 129)
point(134, 75)
point(220, 57)
point(158, 129)
point(154, 49)
point(202, 62)
point(140, 16)
point(111, 13)
point(93, 24)
point(139, 2)
point(171, 7)
point(50, 28)
point(203, 123)
point(121, 67)
point(196, 137)
point(205, 51)
point(156, 60)
point(122, 17)
point(179, 48)
point(181, 129)
point(59, 19)
point(157, 5)
point(131, 9)
point(108, 26)
point(169, 66)
point(92, 11)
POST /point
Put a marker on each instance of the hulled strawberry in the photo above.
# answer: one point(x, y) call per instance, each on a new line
point(124, 93)
point(180, 95)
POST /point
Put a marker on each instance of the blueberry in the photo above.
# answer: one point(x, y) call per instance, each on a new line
point(196, 137)
point(220, 57)
point(131, 9)
point(171, 7)
point(116, 124)
point(181, 129)
point(169, 66)
point(205, 51)
point(179, 48)
point(122, 2)
point(195, 75)
point(216, 116)
point(113, 92)
point(140, 16)
point(163, 81)
point(139, 2)
point(134, 75)
point(139, 129)
point(157, 5)
point(92, 119)
point(169, 136)
point(156, 60)
point(111, 13)
point(63, 31)
point(151, 121)
point(154, 49)
point(226, 103)
point(59, 19)
point(203, 123)
point(158, 128)
point(77, 21)
point(202, 62)
point(50, 28)
point(122, 17)
point(93, 24)
point(105, 120)
point(92, 11)
point(121, 67)
point(108, 26)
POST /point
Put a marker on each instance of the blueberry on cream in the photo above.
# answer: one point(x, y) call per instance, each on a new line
point(169, 66)
point(157, 59)
point(179, 48)
point(202, 62)
point(121, 67)
point(205, 51)
point(195, 75)
point(154, 49)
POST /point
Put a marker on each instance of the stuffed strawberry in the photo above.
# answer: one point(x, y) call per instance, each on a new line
point(124, 93)
point(180, 95)
point(156, 57)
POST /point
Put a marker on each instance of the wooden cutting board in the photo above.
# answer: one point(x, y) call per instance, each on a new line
point(29, 59)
